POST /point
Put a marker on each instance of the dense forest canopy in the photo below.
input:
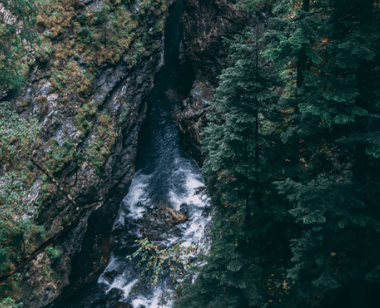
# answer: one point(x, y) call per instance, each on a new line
point(292, 160)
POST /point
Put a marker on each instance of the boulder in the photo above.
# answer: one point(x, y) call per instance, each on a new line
point(175, 216)
point(159, 220)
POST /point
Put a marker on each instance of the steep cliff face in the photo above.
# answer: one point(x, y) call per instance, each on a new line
point(87, 82)
point(205, 23)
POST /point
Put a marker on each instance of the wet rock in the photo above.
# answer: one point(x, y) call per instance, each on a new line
point(50, 291)
point(115, 294)
point(205, 23)
point(174, 96)
point(193, 116)
point(110, 276)
point(152, 235)
point(203, 54)
point(176, 217)
point(97, 190)
point(159, 220)
point(183, 208)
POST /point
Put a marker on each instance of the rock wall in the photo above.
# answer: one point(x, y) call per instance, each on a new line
point(87, 84)
point(97, 190)
point(205, 23)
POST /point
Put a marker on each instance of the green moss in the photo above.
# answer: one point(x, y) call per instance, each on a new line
point(85, 114)
point(9, 303)
point(53, 253)
point(102, 141)
point(71, 79)
point(58, 156)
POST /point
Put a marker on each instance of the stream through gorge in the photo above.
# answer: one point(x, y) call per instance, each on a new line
point(167, 178)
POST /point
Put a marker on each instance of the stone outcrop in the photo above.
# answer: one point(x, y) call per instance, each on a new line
point(193, 116)
point(175, 217)
point(203, 54)
point(97, 191)
point(205, 23)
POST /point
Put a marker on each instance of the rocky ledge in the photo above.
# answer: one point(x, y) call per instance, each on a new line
point(192, 117)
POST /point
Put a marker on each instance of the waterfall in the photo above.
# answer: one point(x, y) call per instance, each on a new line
point(166, 178)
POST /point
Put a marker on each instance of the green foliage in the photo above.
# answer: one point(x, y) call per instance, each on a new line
point(17, 134)
point(339, 105)
point(86, 112)
point(18, 232)
point(242, 125)
point(153, 262)
point(9, 303)
point(102, 141)
point(312, 226)
point(53, 253)
point(17, 141)
point(253, 5)
point(242, 149)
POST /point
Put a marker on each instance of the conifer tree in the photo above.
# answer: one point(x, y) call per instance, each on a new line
point(335, 201)
point(327, 167)
point(242, 146)
point(292, 34)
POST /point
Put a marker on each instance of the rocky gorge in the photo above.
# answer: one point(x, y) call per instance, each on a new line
point(90, 103)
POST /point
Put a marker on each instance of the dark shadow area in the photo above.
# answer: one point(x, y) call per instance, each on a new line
point(356, 296)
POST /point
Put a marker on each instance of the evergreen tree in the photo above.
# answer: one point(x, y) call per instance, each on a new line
point(293, 33)
point(336, 198)
point(327, 166)
point(242, 149)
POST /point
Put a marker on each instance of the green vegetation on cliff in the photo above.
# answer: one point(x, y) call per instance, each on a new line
point(13, 40)
point(51, 53)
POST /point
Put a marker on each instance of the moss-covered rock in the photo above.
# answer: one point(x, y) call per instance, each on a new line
point(86, 84)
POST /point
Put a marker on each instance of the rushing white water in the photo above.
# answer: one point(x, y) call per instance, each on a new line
point(183, 180)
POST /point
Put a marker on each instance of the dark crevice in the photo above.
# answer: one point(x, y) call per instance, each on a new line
point(187, 77)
